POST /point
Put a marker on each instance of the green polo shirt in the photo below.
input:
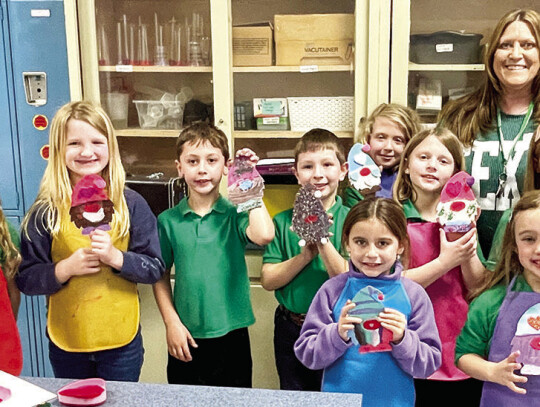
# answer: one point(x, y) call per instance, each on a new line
point(15, 238)
point(476, 335)
point(211, 290)
point(412, 215)
point(297, 295)
point(410, 211)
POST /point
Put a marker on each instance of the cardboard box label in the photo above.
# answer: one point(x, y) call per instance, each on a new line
point(251, 46)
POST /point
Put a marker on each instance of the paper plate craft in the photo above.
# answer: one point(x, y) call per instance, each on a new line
point(5, 394)
point(16, 392)
point(370, 334)
point(87, 392)
point(245, 184)
point(457, 208)
point(527, 341)
point(11, 356)
point(364, 174)
point(310, 221)
point(91, 208)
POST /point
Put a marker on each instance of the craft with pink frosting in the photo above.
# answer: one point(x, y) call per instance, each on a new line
point(91, 208)
point(457, 208)
point(87, 392)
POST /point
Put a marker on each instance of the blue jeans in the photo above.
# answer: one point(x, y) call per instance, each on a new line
point(120, 364)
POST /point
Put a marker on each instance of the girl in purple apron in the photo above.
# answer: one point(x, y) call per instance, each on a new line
point(500, 342)
point(447, 269)
point(370, 329)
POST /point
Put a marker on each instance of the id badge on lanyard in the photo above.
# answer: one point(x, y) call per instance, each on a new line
point(503, 176)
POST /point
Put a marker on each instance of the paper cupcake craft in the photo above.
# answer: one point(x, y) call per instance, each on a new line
point(91, 208)
point(457, 208)
point(87, 392)
point(527, 341)
point(370, 334)
point(245, 184)
point(364, 174)
point(310, 221)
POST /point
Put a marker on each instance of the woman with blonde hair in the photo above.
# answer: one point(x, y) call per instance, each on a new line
point(89, 276)
point(496, 122)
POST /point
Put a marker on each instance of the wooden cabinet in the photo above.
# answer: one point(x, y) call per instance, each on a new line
point(220, 85)
point(429, 16)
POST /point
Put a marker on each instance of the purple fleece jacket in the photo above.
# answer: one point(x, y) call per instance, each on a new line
point(319, 344)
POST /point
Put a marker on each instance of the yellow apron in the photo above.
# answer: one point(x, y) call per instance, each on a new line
point(92, 312)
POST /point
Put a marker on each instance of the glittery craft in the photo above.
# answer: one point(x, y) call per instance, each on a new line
point(364, 174)
point(245, 184)
point(90, 206)
point(310, 221)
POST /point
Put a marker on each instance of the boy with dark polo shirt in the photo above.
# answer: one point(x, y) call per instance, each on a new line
point(296, 273)
point(204, 237)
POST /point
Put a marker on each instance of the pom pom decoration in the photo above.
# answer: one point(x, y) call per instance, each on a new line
point(364, 174)
point(310, 221)
point(245, 185)
point(90, 206)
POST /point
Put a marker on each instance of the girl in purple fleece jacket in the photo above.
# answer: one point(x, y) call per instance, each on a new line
point(371, 329)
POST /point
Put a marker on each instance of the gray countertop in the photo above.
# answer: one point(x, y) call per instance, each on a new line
point(146, 394)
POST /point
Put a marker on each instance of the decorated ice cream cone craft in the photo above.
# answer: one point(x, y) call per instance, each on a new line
point(91, 208)
point(364, 174)
point(457, 209)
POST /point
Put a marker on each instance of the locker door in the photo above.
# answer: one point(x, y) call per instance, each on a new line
point(10, 191)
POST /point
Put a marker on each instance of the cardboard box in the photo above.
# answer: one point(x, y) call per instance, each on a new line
point(253, 44)
point(314, 39)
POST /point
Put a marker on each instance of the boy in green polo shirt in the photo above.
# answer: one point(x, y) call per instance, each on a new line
point(296, 273)
point(204, 237)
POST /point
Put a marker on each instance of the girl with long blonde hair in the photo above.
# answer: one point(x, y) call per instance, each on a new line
point(90, 277)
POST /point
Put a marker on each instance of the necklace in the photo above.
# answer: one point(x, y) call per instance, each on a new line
point(506, 157)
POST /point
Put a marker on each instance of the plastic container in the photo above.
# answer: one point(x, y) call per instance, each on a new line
point(331, 113)
point(446, 47)
point(275, 123)
point(116, 105)
point(155, 114)
point(243, 116)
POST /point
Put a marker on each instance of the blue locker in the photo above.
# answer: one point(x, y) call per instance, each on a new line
point(33, 41)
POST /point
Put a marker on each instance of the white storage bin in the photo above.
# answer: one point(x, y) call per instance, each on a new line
point(154, 114)
point(331, 113)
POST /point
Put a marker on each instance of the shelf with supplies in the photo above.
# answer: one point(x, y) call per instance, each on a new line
point(155, 68)
point(266, 134)
point(137, 132)
point(446, 67)
point(294, 68)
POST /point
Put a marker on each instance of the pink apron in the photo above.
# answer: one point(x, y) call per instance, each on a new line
point(447, 295)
